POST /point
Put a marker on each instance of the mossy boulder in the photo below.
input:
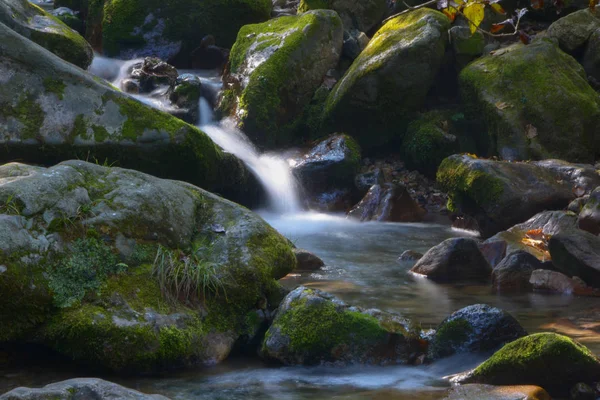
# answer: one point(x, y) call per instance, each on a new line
point(275, 69)
point(535, 102)
point(130, 272)
point(552, 361)
point(476, 328)
point(363, 15)
point(172, 30)
point(573, 31)
point(46, 30)
point(314, 327)
point(388, 81)
point(51, 111)
point(492, 192)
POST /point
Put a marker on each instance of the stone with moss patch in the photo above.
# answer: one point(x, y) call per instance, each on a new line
point(387, 84)
point(314, 327)
point(552, 361)
point(95, 258)
point(363, 15)
point(535, 102)
point(275, 68)
point(46, 30)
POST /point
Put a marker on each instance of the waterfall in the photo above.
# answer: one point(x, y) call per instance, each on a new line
point(272, 171)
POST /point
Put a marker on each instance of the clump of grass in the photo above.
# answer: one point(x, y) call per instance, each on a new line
point(187, 277)
point(11, 206)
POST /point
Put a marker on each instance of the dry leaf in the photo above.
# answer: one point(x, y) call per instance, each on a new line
point(501, 105)
point(530, 131)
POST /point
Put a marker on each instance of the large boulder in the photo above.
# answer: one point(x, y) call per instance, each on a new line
point(275, 69)
point(500, 194)
point(573, 31)
point(591, 57)
point(388, 202)
point(51, 111)
point(525, 116)
point(79, 388)
point(577, 253)
point(46, 30)
point(549, 360)
point(129, 272)
point(555, 282)
point(172, 30)
point(589, 216)
point(514, 272)
point(358, 14)
point(457, 259)
point(476, 328)
point(583, 177)
point(387, 84)
point(314, 327)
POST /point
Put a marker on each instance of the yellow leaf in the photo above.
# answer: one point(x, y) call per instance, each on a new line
point(474, 13)
point(498, 8)
point(501, 105)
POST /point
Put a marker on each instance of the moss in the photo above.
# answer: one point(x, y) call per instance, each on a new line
point(55, 86)
point(449, 336)
point(307, 5)
point(27, 112)
point(465, 184)
point(545, 359)
point(79, 129)
point(100, 133)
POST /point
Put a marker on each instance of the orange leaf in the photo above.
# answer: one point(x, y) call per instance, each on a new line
point(537, 4)
point(497, 28)
point(450, 13)
point(498, 8)
point(593, 5)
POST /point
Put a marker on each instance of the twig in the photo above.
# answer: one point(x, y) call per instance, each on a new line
point(409, 9)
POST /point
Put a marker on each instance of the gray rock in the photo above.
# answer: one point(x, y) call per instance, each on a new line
point(577, 205)
point(514, 272)
point(363, 15)
point(577, 253)
point(410, 256)
point(457, 259)
point(465, 45)
point(307, 261)
point(80, 388)
point(591, 56)
point(494, 251)
point(554, 281)
point(364, 181)
point(574, 30)
point(581, 391)
point(589, 216)
point(388, 202)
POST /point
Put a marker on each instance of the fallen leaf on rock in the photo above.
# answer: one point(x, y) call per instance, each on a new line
point(530, 131)
point(501, 105)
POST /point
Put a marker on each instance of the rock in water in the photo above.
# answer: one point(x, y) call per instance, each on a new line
point(314, 327)
point(551, 361)
point(476, 328)
point(363, 15)
point(79, 388)
point(171, 30)
point(46, 30)
point(51, 111)
point(389, 80)
point(589, 216)
point(275, 68)
point(457, 259)
point(307, 261)
point(388, 202)
point(493, 192)
point(556, 282)
point(577, 253)
point(491, 392)
point(526, 117)
point(160, 272)
point(514, 272)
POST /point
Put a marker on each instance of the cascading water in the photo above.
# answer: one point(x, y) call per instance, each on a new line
point(272, 171)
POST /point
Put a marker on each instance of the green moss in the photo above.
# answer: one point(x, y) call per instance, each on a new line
point(55, 86)
point(545, 359)
point(464, 184)
point(100, 133)
point(449, 336)
point(28, 113)
point(307, 5)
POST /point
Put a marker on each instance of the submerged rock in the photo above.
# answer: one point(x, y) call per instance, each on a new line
point(514, 272)
point(51, 111)
point(526, 117)
point(387, 84)
point(46, 30)
point(577, 253)
point(476, 328)
point(129, 272)
point(491, 392)
point(388, 202)
point(457, 259)
point(549, 360)
point(307, 261)
point(359, 14)
point(492, 191)
point(589, 216)
point(314, 327)
point(275, 69)
point(79, 388)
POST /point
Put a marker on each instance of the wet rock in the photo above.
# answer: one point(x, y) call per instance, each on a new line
point(51, 110)
point(549, 360)
point(577, 253)
point(307, 261)
point(292, 52)
point(364, 181)
point(208, 55)
point(410, 256)
point(185, 94)
point(554, 281)
point(577, 205)
point(78, 227)
point(457, 259)
point(514, 272)
point(476, 328)
point(47, 31)
point(69, 17)
point(355, 42)
point(581, 391)
point(153, 73)
point(79, 388)
point(335, 200)
point(547, 223)
point(329, 167)
point(358, 14)
point(492, 191)
point(314, 327)
point(589, 216)
point(492, 392)
point(383, 96)
point(493, 251)
point(573, 31)
point(388, 202)
point(529, 119)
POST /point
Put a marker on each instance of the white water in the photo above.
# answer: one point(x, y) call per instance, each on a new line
point(272, 171)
